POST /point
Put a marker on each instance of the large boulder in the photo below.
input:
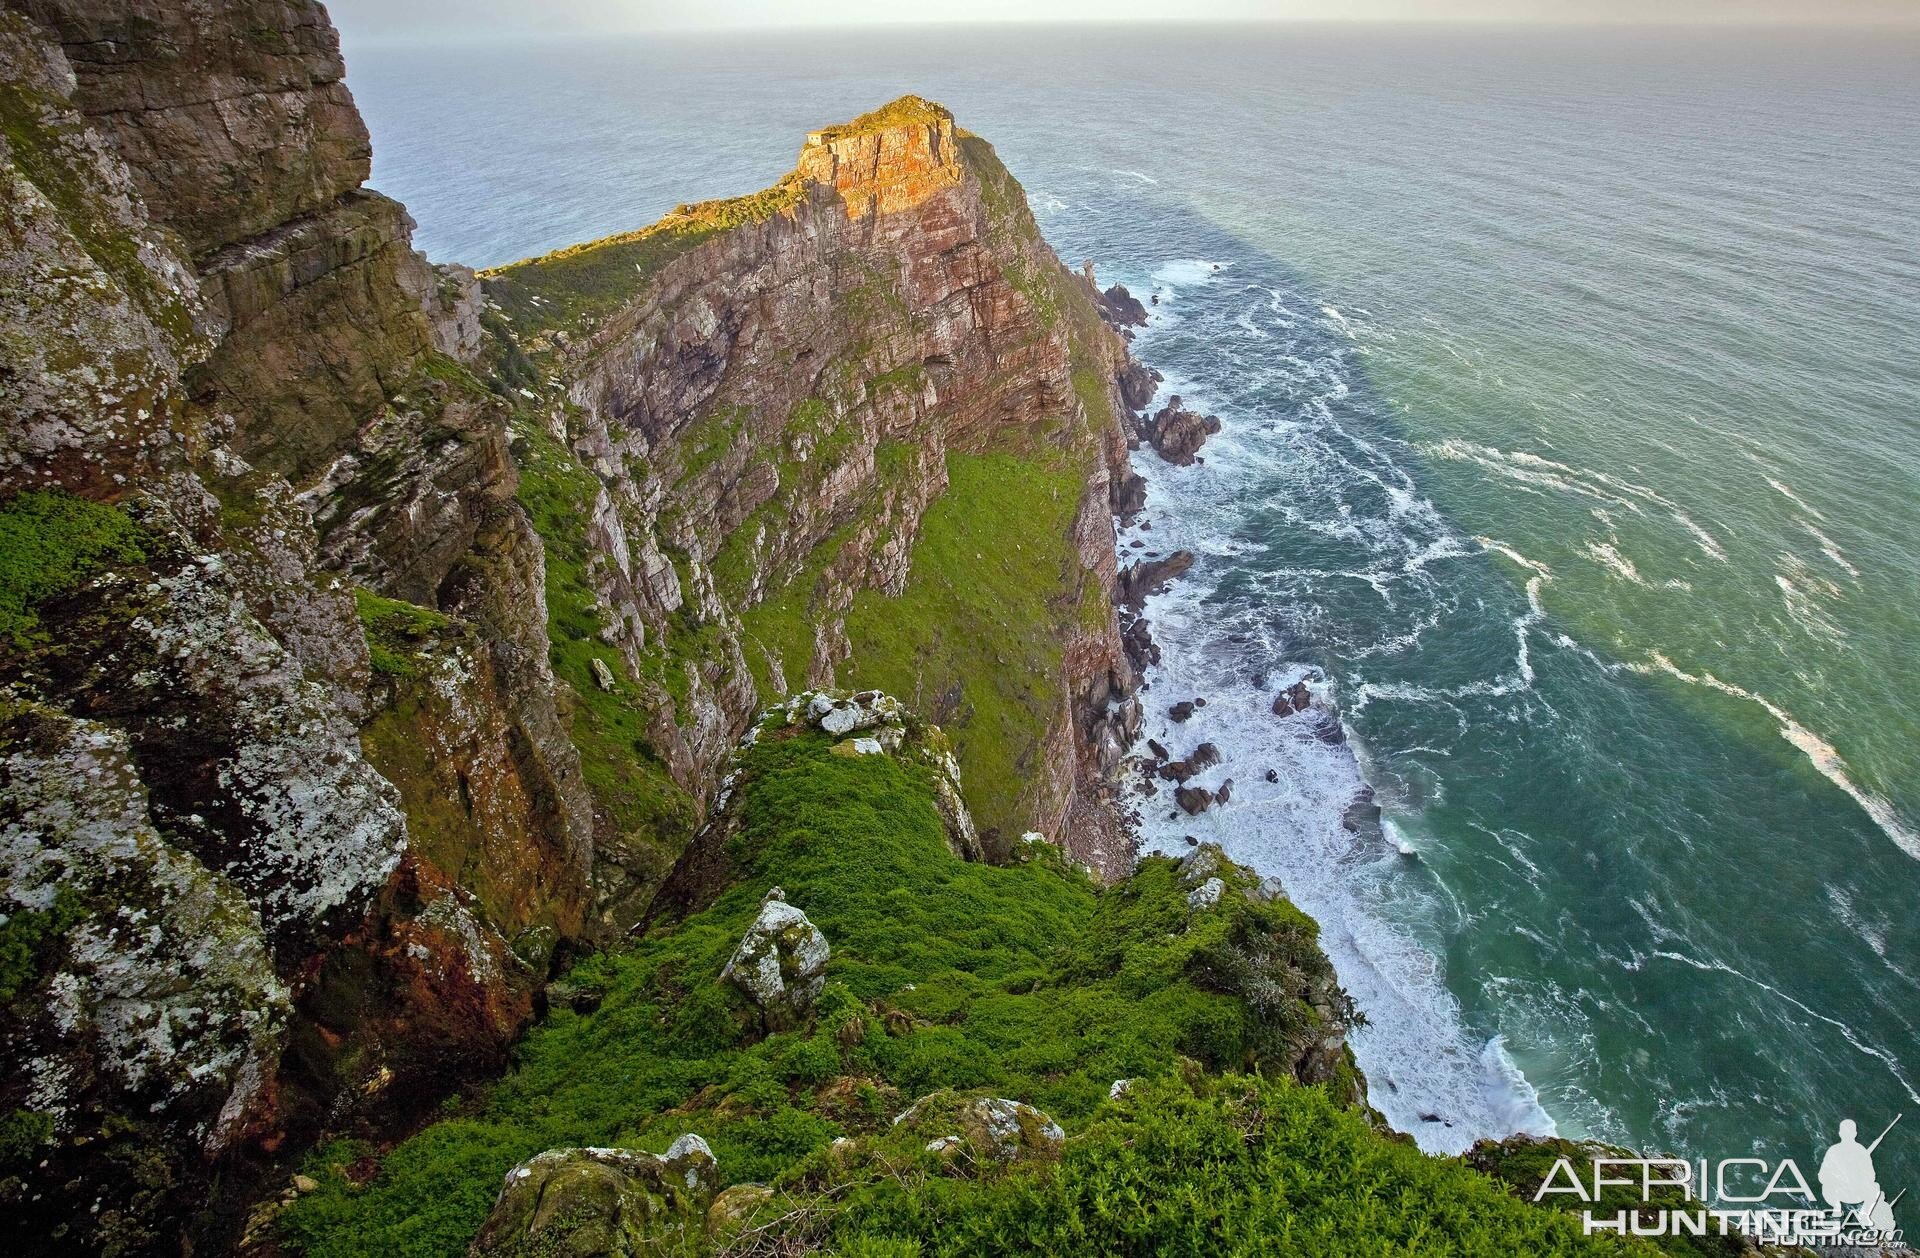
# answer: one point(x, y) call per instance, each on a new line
point(1295, 698)
point(1150, 576)
point(1193, 800)
point(586, 1203)
point(780, 963)
point(1122, 308)
point(1204, 757)
point(992, 1128)
point(1178, 433)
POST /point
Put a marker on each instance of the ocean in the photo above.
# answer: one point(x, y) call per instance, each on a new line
point(1570, 384)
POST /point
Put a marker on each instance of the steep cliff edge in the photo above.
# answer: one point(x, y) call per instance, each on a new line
point(388, 653)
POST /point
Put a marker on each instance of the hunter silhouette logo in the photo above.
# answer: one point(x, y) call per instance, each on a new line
point(1767, 1202)
point(1849, 1184)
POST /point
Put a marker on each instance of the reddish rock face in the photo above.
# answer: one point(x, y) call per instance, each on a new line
point(196, 281)
point(899, 263)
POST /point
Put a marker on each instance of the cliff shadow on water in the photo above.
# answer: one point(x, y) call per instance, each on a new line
point(1564, 909)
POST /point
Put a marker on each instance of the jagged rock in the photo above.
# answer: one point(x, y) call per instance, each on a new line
point(1206, 895)
point(1129, 498)
point(166, 1006)
point(1204, 757)
point(602, 675)
point(1137, 385)
point(1122, 308)
point(594, 1202)
point(1295, 698)
point(1193, 800)
point(1178, 433)
point(1137, 640)
point(250, 296)
point(1151, 576)
point(1208, 860)
point(1182, 711)
point(1225, 793)
point(780, 962)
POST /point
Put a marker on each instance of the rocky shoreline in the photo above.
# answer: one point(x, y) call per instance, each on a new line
point(1176, 434)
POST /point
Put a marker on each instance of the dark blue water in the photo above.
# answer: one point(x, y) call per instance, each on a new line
point(1571, 386)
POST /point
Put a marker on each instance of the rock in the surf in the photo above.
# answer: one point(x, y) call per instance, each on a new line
point(1178, 433)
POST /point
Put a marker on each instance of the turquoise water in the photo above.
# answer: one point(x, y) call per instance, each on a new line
point(1571, 387)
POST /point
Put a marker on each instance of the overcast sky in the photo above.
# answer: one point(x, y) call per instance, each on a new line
point(441, 19)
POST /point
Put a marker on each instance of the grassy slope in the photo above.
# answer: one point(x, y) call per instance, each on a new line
point(1024, 981)
point(992, 575)
point(626, 775)
point(569, 289)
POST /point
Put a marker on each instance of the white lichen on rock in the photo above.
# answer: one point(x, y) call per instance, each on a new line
point(166, 990)
point(780, 963)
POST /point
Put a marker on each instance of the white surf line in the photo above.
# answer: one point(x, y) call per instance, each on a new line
point(1846, 1033)
point(1134, 174)
point(1819, 751)
point(1529, 468)
point(1607, 555)
point(1830, 548)
point(1786, 491)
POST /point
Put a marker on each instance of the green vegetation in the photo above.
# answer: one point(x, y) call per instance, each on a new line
point(994, 582)
point(50, 542)
point(23, 1133)
point(610, 729)
point(896, 113)
point(1234, 1165)
point(397, 632)
point(702, 442)
point(572, 288)
point(1024, 981)
point(26, 933)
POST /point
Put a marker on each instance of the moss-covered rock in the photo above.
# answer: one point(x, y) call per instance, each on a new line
point(591, 1203)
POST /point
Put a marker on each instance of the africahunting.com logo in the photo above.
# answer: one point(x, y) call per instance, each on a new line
point(1770, 1203)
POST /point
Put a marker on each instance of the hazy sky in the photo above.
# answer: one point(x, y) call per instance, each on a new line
point(377, 19)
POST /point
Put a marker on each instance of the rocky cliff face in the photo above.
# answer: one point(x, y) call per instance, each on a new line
point(858, 430)
point(240, 902)
point(367, 643)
